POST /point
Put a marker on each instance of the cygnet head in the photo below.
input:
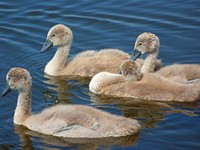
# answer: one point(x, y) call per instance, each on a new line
point(146, 43)
point(17, 79)
point(131, 70)
point(58, 35)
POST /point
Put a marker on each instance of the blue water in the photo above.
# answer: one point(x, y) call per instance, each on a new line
point(96, 25)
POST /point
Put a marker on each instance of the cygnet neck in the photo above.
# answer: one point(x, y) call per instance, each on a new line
point(149, 63)
point(133, 77)
point(23, 109)
point(58, 62)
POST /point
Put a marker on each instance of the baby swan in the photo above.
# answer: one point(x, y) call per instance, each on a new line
point(149, 43)
point(74, 121)
point(129, 72)
point(149, 86)
point(85, 64)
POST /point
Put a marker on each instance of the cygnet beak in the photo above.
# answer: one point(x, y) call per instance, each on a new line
point(46, 45)
point(6, 90)
point(136, 54)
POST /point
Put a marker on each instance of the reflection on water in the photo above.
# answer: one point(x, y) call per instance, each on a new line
point(27, 137)
point(60, 88)
point(149, 113)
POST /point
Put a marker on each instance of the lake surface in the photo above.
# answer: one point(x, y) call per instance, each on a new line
point(96, 25)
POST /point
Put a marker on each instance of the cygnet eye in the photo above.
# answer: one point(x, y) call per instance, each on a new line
point(8, 78)
point(53, 35)
point(140, 44)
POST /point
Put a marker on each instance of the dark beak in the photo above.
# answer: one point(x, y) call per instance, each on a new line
point(6, 90)
point(46, 45)
point(136, 54)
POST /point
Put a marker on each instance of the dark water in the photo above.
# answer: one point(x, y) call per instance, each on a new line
point(95, 25)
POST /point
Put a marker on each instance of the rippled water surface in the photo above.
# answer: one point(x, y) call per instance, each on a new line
point(95, 25)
